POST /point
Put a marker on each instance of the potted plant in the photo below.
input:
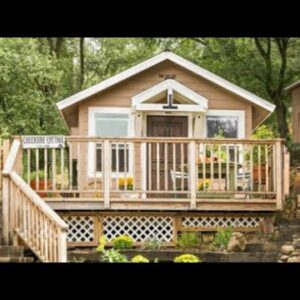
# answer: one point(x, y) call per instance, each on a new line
point(127, 184)
point(42, 183)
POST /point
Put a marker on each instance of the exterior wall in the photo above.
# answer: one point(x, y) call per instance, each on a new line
point(121, 94)
point(296, 115)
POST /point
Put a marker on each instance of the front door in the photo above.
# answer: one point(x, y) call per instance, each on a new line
point(165, 126)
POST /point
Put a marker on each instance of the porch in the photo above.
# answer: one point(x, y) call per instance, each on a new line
point(159, 174)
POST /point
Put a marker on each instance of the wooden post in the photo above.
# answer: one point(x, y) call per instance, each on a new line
point(62, 246)
point(192, 174)
point(286, 172)
point(279, 178)
point(107, 169)
point(5, 209)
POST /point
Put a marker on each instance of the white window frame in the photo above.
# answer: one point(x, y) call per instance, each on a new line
point(91, 132)
point(230, 113)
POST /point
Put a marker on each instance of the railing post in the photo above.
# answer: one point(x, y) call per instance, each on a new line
point(107, 171)
point(143, 163)
point(62, 246)
point(5, 209)
point(192, 173)
point(279, 177)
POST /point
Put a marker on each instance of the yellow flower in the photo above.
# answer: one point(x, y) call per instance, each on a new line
point(121, 181)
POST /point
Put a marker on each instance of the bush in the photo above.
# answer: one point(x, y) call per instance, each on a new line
point(123, 242)
point(187, 258)
point(139, 259)
point(113, 256)
point(188, 240)
point(222, 238)
point(152, 244)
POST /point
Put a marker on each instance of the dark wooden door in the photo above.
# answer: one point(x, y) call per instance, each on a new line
point(165, 126)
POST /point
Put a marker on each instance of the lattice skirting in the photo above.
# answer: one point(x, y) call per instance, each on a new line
point(85, 229)
point(140, 228)
point(81, 229)
point(207, 222)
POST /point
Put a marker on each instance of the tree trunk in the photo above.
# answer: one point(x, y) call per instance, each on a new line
point(81, 50)
point(281, 112)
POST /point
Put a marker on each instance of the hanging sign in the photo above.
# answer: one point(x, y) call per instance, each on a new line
point(43, 141)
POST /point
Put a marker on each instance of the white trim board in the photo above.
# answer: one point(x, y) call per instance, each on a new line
point(167, 85)
point(156, 60)
point(159, 107)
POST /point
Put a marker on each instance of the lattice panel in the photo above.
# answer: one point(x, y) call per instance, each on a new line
point(81, 228)
point(221, 221)
point(140, 228)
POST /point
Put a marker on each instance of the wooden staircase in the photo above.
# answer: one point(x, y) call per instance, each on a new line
point(11, 254)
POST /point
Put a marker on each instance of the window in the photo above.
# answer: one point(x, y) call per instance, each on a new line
point(229, 123)
point(110, 122)
point(225, 125)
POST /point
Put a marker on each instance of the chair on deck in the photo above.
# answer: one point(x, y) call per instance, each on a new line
point(175, 175)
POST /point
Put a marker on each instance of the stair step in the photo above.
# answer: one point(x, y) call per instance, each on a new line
point(11, 251)
point(15, 259)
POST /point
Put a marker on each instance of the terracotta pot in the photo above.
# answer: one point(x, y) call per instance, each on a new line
point(41, 186)
point(262, 174)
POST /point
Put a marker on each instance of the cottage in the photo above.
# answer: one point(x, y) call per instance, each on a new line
point(157, 149)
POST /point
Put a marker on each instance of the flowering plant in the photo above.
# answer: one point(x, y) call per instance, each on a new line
point(128, 182)
point(203, 184)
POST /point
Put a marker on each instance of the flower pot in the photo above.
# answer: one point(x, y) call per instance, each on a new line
point(41, 186)
point(262, 174)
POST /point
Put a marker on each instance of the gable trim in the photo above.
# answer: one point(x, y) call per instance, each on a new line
point(165, 86)
point(156, 60)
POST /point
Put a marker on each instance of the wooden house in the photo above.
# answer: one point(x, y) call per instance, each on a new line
point(161, 148)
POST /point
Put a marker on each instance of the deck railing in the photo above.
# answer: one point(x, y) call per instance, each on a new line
point(27, 217)
point(186, 170)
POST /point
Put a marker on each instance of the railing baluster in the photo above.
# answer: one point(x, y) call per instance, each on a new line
point(149, 162)
point(28, 165)
point(211, 167)
point(166, 158)
point(174, 166)
point(219, 166)
point(259, 167)
point(157, 167)
point(182, 165)
point(53, 169)
point(62, 167)
point(70, 166)
point(46, 169)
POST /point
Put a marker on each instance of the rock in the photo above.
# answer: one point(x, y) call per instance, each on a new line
point(237, 242)
point(295, 253)
point(294, 259)
point(287, 249)
point(207, 237)
point(296, 243)
point(284, 257)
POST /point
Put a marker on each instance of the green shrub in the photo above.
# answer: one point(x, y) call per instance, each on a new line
point(111, 255)
point(123, 242)
point(139, 259)
point(152, 244)
point(188, 240)
point(187, 258)
point(33, 175)
point(222, 238)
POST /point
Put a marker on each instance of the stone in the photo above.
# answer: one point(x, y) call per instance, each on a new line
point(295, 253)
point(207, 237)
point(284, 257)
point(237, 242)
point(294, 259)
point(287, 249)
point(296, 243)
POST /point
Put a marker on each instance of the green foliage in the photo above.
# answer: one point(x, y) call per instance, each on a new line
point(123, 242)
point(187, 258)
point(263, 132)
point(33, 175)
point(113, 256)
point(188, 240)
point(110, 255)
point(139, 259)
point(152, 244)
point(222, 238)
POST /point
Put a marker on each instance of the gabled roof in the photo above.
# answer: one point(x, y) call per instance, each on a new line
point(166, 85)
point(156, 60)
point(292, 86)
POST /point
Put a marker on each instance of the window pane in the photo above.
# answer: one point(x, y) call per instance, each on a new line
point(111, 124)
point(99, 159)
point(225, 125)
